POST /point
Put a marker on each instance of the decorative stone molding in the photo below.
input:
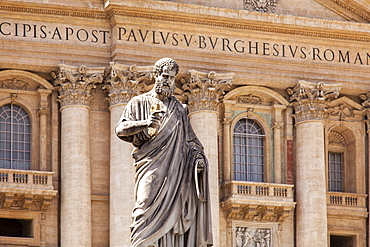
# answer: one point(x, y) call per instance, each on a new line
point(14, 84)
point(75, 84)
point(261, 5)
point(336, 138)
point(342, 111)
point(249, 99)
point(124, 82)
point(309, 99)
point(205, 90)
point(366, 103)
point(246, 236)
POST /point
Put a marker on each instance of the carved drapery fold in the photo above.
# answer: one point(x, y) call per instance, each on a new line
point(75, 84)
point(204, 90)
point(309, 99)
point(124, 82)
point(261, 5)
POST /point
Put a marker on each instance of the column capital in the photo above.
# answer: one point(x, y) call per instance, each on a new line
point(309, 99)
point(75, 84)
point(124, 82)
point(366, 103)
point(205, 89)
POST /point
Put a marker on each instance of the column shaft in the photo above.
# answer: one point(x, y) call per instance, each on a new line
point(204, 124)
point(121, 184)
point(75, 177)
point(311, 185)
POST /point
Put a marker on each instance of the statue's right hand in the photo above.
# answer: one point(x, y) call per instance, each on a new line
point(154, 121)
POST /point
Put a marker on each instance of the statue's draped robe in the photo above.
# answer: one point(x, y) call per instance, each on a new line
point(172, 207)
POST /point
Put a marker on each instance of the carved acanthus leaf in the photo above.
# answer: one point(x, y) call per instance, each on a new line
point(124, 82)
point(261, 5)
point(75, 84)
point(205, 90)
point(310, 100)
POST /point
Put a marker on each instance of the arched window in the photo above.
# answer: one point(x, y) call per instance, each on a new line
point(15, 138)
point(248, 141)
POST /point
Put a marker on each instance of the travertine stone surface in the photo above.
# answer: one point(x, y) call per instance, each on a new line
point(311, 185)
point(204, 124)
point(122, 177)
point(75, 177)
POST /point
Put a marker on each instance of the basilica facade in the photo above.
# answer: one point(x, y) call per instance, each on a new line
point(278, 92)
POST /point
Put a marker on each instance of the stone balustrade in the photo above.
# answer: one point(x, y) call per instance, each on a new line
point(346, 199)
point(264, 191)
point(26, 179)
point(26, 189)
point(257, 201)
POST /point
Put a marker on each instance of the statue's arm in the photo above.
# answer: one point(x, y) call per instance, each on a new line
point(128, 128)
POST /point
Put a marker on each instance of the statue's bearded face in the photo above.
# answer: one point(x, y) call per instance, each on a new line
point(165, 82)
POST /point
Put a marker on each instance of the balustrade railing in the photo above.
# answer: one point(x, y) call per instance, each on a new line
point(346, 199)
point(261, 190)
point(26, 179)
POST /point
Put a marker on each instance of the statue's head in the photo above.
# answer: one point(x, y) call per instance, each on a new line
point(165, 71)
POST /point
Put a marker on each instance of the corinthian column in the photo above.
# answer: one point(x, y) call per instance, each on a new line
point(204, 91)
point(309, 100)
point(123, 83)
point(366, 104)
point(74, 86)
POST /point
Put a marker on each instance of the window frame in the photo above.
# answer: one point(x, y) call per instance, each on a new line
point(266, 147)
point(29, 142)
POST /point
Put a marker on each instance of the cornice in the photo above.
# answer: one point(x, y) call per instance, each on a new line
point(350, 10)
point(55, 11)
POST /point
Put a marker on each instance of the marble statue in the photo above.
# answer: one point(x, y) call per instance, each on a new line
point(172, 206)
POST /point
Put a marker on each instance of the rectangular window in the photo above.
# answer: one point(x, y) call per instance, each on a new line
point(335, 173)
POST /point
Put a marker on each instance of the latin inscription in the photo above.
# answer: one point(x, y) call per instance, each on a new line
point(242, 46)
point(191, 41)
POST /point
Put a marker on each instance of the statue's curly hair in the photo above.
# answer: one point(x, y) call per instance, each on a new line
point(169, 62)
